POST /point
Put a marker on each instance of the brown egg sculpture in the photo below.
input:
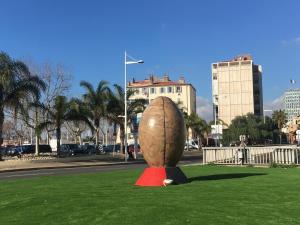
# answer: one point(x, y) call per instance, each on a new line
point(162, 135)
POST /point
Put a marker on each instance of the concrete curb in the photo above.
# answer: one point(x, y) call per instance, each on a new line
point(71, 166)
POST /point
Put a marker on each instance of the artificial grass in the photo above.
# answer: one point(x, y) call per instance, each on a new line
point(215, 195)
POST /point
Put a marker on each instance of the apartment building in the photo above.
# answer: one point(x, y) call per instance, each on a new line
point(236, 88)
point(292, 103)
point(182, 93)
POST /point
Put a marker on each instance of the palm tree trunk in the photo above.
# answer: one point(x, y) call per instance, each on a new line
point(280, 137)
point(199, 143)
point(48, 138)
point(80, 139)
point(37, 144)
point(122, 138)
point(1, 127)
point(37, 138)
point(187, 140)
point(58, 136)
point(97, 136)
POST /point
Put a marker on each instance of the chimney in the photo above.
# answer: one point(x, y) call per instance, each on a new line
point(181, 80)
point(151, 79)
point(166, 78)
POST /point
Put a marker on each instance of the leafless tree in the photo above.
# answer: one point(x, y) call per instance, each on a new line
point(58, 82)
point(16, 131)
point(76, 128)
point(8, 130)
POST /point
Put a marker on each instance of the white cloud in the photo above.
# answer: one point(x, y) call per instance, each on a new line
point(204, 108)
point(297, 40)
point(276, 104)
point(293, 41)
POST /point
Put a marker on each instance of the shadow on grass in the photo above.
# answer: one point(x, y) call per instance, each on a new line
point(224, 176)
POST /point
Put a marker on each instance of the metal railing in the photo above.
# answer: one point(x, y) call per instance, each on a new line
point(286, 155)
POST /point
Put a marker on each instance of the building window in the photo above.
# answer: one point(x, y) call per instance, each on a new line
point(152, 90)
point(178, 89)
point(137, 91)
point(170, 89)
point(145, 91)
point(162, 90)
point(215, 76)
point(223, 64)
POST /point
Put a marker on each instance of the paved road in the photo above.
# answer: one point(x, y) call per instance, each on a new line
point(189, 158)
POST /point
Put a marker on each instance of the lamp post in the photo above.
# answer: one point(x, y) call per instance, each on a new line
point(132, 61)
point(266, 110)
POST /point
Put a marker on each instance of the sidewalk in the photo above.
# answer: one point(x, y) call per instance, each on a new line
point(81, 161)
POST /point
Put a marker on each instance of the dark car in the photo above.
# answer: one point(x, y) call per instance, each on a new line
point(27, 149)
point(30, 149)
point(45, 149)
point(71, 149)
point(89, 149)
point(3, 151)
point(111, 148)
point(14, 151)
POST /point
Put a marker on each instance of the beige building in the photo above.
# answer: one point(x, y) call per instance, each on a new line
point(182, 93)
point(179, 91)
point(291, 128)
point(236, 88)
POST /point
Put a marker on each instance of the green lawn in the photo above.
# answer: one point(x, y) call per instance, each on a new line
point(215, 195)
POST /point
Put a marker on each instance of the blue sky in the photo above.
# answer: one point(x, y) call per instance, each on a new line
point(171, 36)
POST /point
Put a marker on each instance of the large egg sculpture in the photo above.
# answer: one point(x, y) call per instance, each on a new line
point(162, 134)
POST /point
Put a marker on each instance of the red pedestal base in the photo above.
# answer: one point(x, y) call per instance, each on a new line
point(155, 176)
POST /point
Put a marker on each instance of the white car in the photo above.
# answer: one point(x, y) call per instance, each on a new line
point(192, 144)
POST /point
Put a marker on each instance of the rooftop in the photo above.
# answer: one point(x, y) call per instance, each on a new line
point(243, 57)
point(156, 81)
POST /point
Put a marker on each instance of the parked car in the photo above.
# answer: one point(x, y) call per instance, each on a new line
point(191, 144)
point(14, 151)
point(111, 148)
point(89, 149)
point(45, 149)
point(3, 151)
point(71, 149)
point(27, 149)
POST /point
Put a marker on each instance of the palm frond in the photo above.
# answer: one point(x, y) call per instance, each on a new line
point(21, 69)
point(89, 87)
point(102, 87)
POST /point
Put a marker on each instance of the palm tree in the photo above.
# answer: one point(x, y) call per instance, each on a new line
point(61, 112)
point(196, 124)
point(188, 123)
point(279, 118)
point(96, 102)
point(203, 130)
point(116, 109)
point(17, 87)
point(78, 126)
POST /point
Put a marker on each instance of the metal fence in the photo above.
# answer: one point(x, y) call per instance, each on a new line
point(286, 155)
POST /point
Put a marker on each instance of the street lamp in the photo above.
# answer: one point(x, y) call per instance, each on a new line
point(132, 61)
point(266, 110)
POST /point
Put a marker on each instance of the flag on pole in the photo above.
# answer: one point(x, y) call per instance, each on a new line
point(293, 81)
